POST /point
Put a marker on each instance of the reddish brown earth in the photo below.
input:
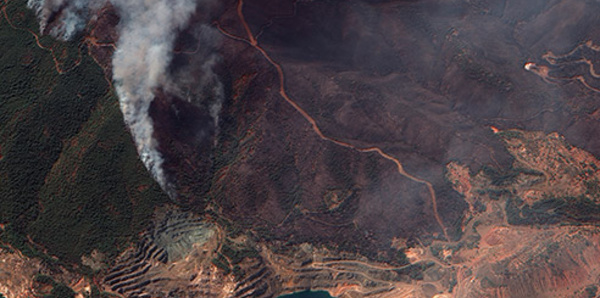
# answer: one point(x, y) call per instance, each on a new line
point(18, 272)
point(422, 95)
point(370, 101)
point(515, 260)
point(353, 134)
point(101, 38)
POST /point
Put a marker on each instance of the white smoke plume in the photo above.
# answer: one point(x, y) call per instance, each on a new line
point(73, 15)
point(208, 88)
point(207, 35)
point(144, 52)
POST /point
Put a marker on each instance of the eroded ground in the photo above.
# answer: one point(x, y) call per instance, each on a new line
point(380, 148)
point(509, 257)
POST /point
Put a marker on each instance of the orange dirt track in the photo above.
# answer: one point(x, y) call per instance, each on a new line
point(254, 43)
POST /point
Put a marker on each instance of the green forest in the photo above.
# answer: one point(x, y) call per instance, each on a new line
point(70, 177)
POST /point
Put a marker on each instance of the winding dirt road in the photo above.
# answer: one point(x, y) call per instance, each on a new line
point(251, 39)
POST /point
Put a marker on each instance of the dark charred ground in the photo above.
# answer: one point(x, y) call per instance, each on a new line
point(422, 80)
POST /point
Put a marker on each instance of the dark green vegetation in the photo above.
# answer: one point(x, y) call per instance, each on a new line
point(231, 255)
point(508, 176)
point(69, 173)
point(236, 254)
point(568, 210)
point(59, 290)
point(96, 293)
point(548, 211)
point(591, 291)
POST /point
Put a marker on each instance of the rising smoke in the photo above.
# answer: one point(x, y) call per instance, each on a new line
point(196, 82)
point(147, 32)
point(139, 64)
point(74, 15)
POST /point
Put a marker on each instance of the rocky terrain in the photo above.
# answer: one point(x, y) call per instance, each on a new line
point(365, 148)
point(522, 241)
point(149, 269)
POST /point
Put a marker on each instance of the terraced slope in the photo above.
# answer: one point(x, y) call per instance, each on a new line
point(145, 271)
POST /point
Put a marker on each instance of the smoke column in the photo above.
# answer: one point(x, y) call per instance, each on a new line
point(74, 15)
point(201, 85)
point(139, 64)
point(148, 29)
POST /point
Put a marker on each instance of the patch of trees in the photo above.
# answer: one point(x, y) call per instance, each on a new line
point(505, 177)
point(235, 256)
point(550, 211)
point(222, 263)
point(99, 195)
point(415, 271)
point(59, 290)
